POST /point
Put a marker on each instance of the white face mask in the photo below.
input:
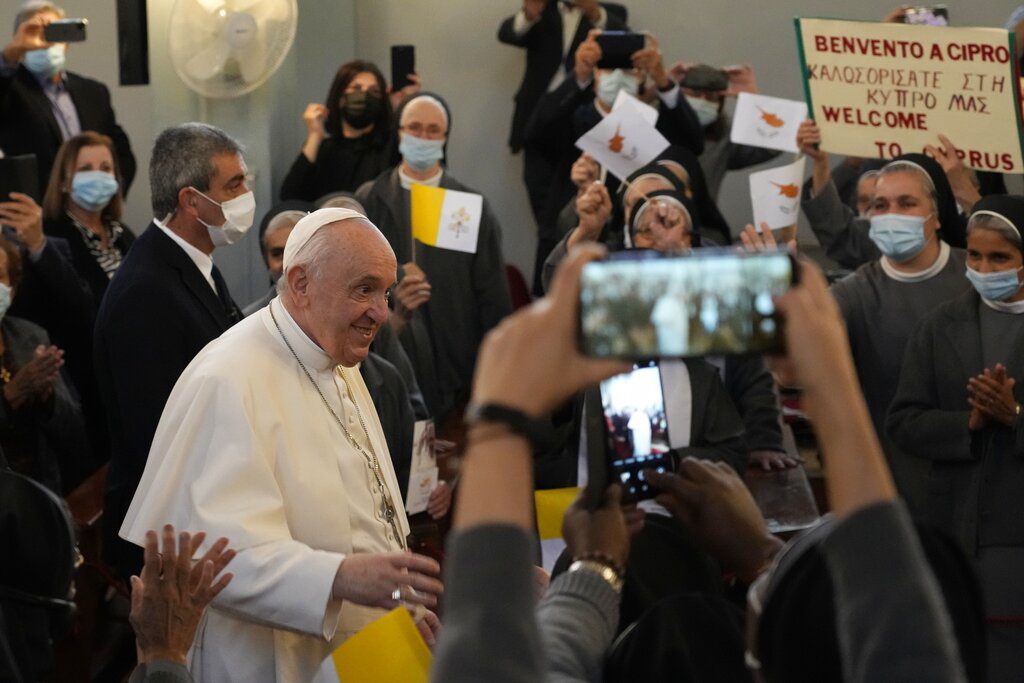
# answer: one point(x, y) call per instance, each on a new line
point(238, 216)
point(706, 110)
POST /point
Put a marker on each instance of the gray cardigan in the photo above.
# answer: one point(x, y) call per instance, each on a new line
point(891, 619)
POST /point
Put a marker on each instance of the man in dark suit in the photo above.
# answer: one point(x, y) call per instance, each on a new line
point(540, 27)
point(166, 302)
point(42, 105)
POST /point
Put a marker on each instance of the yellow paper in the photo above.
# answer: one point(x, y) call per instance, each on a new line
point(551, 506)
point(425, 209)
point(390, 650)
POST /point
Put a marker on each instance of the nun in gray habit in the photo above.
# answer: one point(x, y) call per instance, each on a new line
point(958, 408)
point(468, 292)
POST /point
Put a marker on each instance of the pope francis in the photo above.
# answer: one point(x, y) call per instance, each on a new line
point(270, 438)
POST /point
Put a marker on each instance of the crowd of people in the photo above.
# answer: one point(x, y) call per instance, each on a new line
point(258, 459)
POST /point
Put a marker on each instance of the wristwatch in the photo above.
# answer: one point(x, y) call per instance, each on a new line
point(601, 569)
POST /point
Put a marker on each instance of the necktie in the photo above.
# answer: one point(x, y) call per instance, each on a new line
point(230, 309)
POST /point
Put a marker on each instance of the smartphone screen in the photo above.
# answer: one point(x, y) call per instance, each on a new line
point(403, 63)
point(65, 31)
point(927, 16)
point(618, 47)
point(636, 429)
point(642, 305)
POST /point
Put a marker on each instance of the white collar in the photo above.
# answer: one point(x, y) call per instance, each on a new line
point(921, 275)
point(408, 181)
point(203, 261)
point(1011, 307)
point(308, 351)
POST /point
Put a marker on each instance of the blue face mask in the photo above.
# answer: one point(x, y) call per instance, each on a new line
point(6, 294)
point(420, 153)
point(44, 63)
point(999, 285)
point(610, 84)
point(93, 190)
point(899, 237)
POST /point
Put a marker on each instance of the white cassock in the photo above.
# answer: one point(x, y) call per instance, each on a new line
point(246, 449)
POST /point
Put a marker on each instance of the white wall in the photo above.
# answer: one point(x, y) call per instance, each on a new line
point(458, 55)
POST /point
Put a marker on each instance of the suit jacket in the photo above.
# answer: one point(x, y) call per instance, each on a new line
point(27, 124)
point(158, 313)
point(82, 261)
point(543, 43)
point(976, 479)
point(391, 399)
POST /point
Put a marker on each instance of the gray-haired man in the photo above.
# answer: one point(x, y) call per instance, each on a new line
point(167, 301)
point(42, 104)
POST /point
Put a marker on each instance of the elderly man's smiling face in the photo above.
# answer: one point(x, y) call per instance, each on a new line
point(348, 300)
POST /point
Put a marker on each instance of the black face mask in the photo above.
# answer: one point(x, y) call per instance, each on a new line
point(360, 109)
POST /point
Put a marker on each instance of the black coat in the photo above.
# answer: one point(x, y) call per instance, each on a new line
point(82, 261)
point(543, 43)
point(27, 124)
point(716, 431)
point(158, 313)
point(976, 480)
point(560, 118)
point(391, 399)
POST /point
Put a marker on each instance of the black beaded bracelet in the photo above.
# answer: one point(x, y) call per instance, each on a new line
point(515, 420)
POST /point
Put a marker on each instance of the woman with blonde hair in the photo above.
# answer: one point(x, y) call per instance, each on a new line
point(83, 205)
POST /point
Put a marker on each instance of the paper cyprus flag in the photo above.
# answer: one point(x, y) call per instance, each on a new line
point(763, 121)
point(446, 218)
point(623, 142)
point(624, 99)
point(775, 194)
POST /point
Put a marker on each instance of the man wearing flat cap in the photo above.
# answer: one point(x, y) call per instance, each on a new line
point(270, 438)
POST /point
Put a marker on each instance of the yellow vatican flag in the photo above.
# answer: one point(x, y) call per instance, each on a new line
point(390, 650)
point(446, 218)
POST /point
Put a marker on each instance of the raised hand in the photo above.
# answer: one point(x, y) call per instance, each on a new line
point(169, 598)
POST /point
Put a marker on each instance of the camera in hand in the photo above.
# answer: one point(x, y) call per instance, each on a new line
point(618, 48)
point(65, 31)
point(927, 16)
point(403, 63)
point(645, 305)
point(634, 425)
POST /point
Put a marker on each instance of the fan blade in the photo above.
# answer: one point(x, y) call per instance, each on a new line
point(210, 5)
point(208, 62)
point(268, 10)
point(252, 61)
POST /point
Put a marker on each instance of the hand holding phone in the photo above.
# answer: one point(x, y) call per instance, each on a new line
point(403, 63)
point(65, 31)
point(642, 305)
point(618, 48)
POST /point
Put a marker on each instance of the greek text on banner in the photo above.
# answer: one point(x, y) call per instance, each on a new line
point(880, 90)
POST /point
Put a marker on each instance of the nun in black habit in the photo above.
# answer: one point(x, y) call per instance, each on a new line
point(468, 292)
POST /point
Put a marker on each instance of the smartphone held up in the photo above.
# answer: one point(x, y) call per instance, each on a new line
point(643, 305)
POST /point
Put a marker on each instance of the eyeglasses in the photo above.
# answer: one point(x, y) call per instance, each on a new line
point(418, 130)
